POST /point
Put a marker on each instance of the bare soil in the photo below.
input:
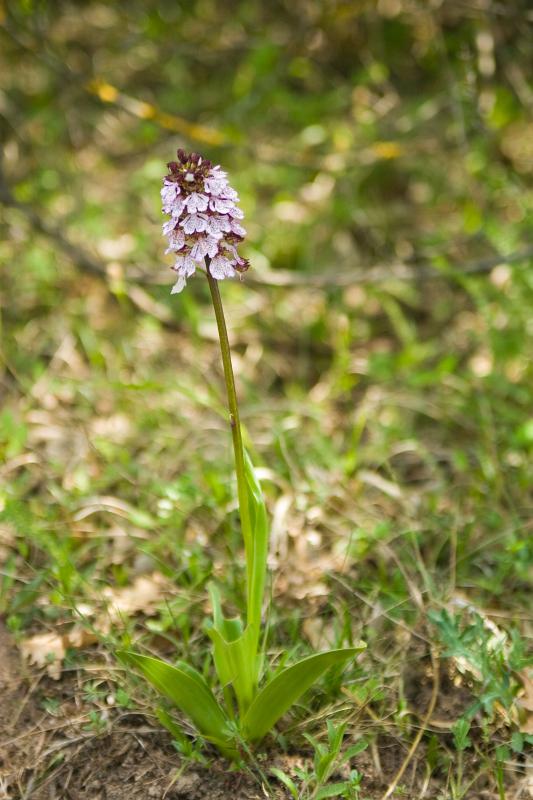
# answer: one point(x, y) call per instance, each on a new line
point(50, 752)
point(45, 757)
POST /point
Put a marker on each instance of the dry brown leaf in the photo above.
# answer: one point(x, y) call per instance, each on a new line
point(380, 483)
point(45, 650)
point(319, 632)
point(80, 637)
point(528, 777)
point(525, 702)
point(115, 428)
point(48, 649)
point(107, 503)
point(143, 595)
point(7, 538)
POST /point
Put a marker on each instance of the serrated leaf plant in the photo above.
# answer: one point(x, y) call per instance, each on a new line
point(203, 231)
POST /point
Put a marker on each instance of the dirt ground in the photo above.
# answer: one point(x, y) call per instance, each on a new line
point(46, 757)
point(58, 756)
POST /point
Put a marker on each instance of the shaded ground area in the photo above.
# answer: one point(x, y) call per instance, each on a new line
point(17, 721)
point(44, 756)
point(58, 756)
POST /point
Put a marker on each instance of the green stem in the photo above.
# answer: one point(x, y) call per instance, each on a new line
point(234, 419)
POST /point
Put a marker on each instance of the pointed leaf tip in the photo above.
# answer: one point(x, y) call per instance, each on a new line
point(287, 686)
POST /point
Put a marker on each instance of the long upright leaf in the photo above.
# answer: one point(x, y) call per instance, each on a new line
point(256, 562)
point(284, 689)
point(189, 691)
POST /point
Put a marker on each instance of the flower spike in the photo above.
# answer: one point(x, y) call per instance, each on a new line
point(203, 225)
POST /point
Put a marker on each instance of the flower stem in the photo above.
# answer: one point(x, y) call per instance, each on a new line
point(234, 419)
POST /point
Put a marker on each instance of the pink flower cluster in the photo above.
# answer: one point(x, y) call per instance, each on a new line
point(203, 229)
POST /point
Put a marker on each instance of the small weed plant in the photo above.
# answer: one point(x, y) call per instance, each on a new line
point(203, 231)
point(328, 757)
point(490, 656)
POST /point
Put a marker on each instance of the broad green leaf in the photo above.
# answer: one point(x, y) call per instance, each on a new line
point(287, 686)
point(189, 691)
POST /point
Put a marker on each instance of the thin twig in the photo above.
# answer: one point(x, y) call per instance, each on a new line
point(394, 271)
point(279, 278)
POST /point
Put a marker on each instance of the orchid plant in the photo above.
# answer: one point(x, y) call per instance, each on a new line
point(204, 230)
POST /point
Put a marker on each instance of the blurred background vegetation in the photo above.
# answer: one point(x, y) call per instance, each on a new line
point(383, 339)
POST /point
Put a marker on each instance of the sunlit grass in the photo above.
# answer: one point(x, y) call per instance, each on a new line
point(391, 419)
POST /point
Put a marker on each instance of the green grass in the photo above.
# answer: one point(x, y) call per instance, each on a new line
point(391, 417)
